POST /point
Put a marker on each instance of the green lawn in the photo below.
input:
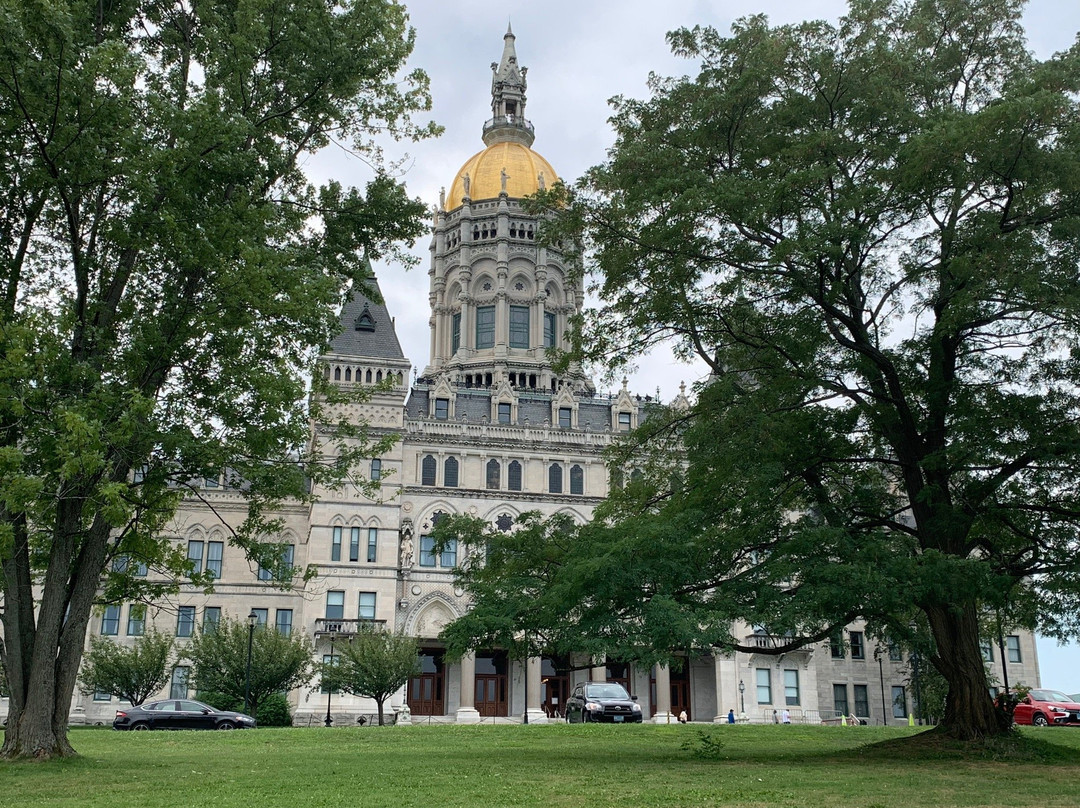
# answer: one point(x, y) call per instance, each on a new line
point(556, 765)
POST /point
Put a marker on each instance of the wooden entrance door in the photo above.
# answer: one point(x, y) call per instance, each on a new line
point(425, 692)
point(554, 686)
point(492, 684)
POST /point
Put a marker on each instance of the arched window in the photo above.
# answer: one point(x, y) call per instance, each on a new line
point(555, 478)
point(427, 470)
point(378, 377)
point(337, 374)
point(494, 475)
point(367, 377)
point(577, 480)
point(636, 476)
point(450, 470)
point(513, 476)
point(348, 374)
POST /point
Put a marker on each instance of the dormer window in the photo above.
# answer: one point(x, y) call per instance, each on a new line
point(365, 322)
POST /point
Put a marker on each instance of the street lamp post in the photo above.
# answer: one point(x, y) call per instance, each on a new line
point(330, 690)
point(253, 620)
point(742, 697)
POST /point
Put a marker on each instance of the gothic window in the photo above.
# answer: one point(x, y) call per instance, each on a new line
point(442, 408)
point(519, 326)
point(624, 422)
point(365, 322)
point(636, 476)
point(348, 374)
point(577, 480)
point(450, 472)
point(367, 377)
point(376, 470)
point(427, 470)
point(337, 374)
point(494, 475)
point(485, 326)
point(555, 478)
point(504, 522)
point(513, 476)
point(455, 332)
point(504, 413)
point(616, 479)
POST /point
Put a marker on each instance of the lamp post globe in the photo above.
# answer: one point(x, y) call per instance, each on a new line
point(252, 620)
point(742, 697)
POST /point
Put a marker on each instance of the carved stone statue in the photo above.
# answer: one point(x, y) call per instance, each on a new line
point(466, 182)
point(406, 556)
point(442, 199)
point(540, 182)
point(503, 177)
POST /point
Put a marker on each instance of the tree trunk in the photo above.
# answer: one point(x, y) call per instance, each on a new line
point(969, 711)
point(379, 704)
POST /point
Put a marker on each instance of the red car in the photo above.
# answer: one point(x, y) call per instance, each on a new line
point(1045, 707)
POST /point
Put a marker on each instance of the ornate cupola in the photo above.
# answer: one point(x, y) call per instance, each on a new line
point(508, 121)
point(500, 300)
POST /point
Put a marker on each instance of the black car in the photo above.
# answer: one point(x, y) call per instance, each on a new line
point(180, 714)
point(602, 701)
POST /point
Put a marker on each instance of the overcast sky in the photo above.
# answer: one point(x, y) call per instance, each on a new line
point(579, 54)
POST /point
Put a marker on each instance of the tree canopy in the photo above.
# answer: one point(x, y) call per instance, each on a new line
point(167, 278)
point(219, 661)
point(133, 673)
point(868, 230)
point(372, 663)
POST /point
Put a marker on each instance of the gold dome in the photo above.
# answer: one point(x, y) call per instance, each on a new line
point(523, 167)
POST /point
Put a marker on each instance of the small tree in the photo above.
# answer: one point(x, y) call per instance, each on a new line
point(279, 662)
point(374, 663)
point(133, 672)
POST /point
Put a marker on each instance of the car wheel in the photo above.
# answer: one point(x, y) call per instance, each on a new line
point(1039, 720)
point(226, 725)
point(140, 725)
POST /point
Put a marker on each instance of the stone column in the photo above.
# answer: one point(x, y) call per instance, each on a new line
point(663, 696)
point(718, 678)
point(532, 690)
point(467, 713)
point(598, 673)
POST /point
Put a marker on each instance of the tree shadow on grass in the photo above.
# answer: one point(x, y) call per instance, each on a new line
point(1015, 747)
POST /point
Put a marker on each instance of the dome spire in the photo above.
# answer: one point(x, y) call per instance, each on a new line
point(508, 85)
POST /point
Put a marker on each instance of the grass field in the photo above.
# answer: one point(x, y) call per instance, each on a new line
point(555, 765)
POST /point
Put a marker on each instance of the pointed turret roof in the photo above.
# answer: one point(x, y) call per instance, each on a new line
point(366, 328)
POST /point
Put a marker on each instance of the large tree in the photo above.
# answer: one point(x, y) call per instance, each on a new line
point(132, 672)
point(870, 232)
point(219, 661)
point(373, 663)
point(167, 277)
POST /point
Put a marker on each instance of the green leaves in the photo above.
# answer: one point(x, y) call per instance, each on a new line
point(134, 672)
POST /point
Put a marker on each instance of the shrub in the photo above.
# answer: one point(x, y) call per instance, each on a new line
point(274, 711)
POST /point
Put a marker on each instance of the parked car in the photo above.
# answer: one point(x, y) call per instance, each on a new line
point(180, 714)
point(602, 701)
point(1044, 707)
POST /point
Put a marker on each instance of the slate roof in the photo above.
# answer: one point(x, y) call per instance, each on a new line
point(376, 338)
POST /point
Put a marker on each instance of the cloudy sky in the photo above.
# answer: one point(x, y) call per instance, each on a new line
point(579, 55)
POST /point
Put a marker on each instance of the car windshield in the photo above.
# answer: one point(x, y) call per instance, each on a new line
point(606, 691)
point(1049, 695)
